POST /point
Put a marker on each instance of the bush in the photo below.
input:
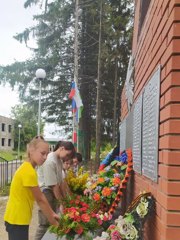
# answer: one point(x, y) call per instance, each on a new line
point(4, 191)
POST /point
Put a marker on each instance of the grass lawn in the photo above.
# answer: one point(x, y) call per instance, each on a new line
point(9, 155)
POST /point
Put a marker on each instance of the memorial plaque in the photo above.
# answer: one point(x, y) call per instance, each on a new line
point(123, 135)
point(129, 130)
point(151, 127)
point(137, 135)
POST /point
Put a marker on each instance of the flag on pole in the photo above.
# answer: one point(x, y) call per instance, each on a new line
point(74, 94)
point(74, 139)
point(77, 105)
point(74, 108)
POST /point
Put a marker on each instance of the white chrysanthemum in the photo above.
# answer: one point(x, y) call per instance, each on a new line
point(142, 209)
point(132, 233)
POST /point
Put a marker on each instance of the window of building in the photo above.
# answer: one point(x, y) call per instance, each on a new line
point(143, 11)
point(9, 128)
point(3, 142)
point(3, 127)
point(9, 142)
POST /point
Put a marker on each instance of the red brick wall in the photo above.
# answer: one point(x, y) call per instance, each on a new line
point(159, 43)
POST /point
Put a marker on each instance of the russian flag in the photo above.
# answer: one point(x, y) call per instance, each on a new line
point(74, 94)
point(74, 108)
point(77, 104)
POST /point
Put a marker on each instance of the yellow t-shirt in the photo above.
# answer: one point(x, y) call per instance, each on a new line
point(21, 200)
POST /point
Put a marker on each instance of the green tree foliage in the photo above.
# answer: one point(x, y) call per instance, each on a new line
point(116, 45)
point(54, 34)
point(24, 115)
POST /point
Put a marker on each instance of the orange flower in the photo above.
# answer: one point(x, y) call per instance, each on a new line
point(100, 180)
point(96, 197)
point(106, 191)
point(72, 212)
point(116, 181)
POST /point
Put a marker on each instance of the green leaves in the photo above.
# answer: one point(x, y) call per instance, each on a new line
point(27, 117)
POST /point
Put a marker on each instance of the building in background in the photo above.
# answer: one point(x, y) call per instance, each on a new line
point(6, 133)
point(52, 142)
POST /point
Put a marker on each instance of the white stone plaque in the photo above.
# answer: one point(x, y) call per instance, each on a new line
point(129, 129)
point(137, 135)
point(123, 136)
point(150, 135)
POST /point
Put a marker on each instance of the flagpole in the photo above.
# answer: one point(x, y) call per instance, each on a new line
point(75, 123)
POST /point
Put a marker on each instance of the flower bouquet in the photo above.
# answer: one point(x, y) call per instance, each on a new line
point(77, 183)
point(79, 218)
point(130, 225)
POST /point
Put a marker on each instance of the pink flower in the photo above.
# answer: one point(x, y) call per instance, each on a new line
point(115, 235)
point(105, 218)
point(100, 221)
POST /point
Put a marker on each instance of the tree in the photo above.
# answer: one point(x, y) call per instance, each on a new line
point(24, 115)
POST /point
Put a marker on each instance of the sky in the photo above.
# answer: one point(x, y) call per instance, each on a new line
point(14, 18)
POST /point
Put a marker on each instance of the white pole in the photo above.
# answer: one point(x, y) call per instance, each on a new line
point(40, 75)
point(19, 139)
point(39, 109)
point(76, 43)
point(75, 123)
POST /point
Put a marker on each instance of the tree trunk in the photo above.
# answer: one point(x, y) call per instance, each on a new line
point(98, 98)
point(114, 137)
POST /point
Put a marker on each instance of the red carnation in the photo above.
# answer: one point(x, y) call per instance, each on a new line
point(85, 217)
point(79, 229)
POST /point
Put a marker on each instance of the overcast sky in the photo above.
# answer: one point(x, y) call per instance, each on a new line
point(14, 18)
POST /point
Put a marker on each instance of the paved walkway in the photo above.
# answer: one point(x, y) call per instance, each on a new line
point(33, 226)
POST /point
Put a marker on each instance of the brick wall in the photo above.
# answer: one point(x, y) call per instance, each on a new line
point(159, 43)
